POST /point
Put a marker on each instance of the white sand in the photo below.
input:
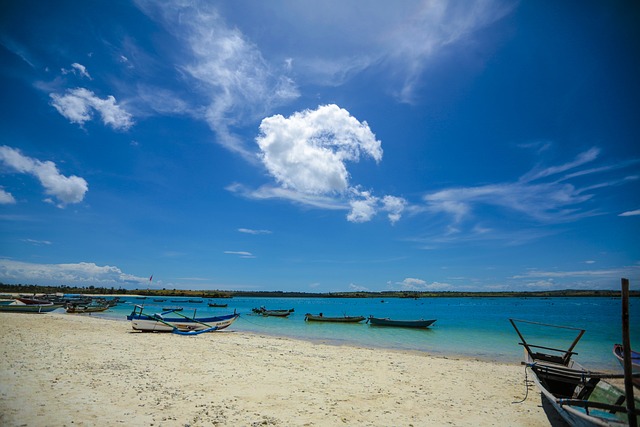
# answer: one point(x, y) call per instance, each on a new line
point(78, 370)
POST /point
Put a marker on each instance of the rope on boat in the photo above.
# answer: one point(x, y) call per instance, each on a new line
point(526, 386)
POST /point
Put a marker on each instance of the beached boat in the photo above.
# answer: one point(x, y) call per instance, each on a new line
point(618, 352)
point(26, 305)
point(213, 304)
point(161, 322)
point(341, 319)
point(79, 309)
point(385, 321)
point(580, 396)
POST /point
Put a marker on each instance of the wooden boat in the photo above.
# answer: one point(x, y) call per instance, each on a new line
point(161, 322)
point(273, 313)
point(580, 396)
point(342, 319)
point(25, 305)
point(385, 321)
point(618, 352)
point(79, 309)
point(213, 304)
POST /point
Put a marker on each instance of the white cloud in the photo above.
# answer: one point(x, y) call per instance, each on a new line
point(552, 201)
point(630, 213)
point(414, 284)
point(250, 231)
point(67, 189)
point(77, 69)
point(362, 210)
point(232, 77)
point(6, 198)
point(307, 154)
point(78, 106)
point(241, 254)
point(307, 151)
point(80, 274)
point(37, 242)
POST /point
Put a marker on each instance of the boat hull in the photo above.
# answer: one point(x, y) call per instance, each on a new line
point(378, 321)
point(29, 308)
point(344, 319)
point(149, 324)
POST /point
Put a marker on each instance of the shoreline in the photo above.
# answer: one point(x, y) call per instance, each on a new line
point(83, 370)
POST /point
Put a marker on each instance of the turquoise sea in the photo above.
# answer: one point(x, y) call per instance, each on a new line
point(468, 327)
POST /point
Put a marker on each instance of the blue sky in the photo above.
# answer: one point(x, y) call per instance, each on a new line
point(320, 146)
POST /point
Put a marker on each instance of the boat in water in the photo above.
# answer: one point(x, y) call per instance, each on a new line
point(385, 321)
point(163, 322)
point(580, 396)
point(273, 313)
point(80, 309)
point(338, 319)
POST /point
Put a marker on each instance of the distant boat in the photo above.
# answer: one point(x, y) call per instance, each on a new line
point(385, 321)
point(340, 319)
point(183, 325)
point(195, 301)
point(79, 309)
point(273, 313)
point(26, 305)
point(213, 304)
point(159, 300)
point(172, 308)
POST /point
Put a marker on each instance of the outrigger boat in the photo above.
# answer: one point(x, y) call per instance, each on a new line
point(340, 319)
point(183, 325)
point(580, 396)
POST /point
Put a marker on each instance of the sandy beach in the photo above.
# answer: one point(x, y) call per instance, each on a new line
point(58, 369)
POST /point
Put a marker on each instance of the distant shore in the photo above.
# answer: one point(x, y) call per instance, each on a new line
point(62, 370)
point(35, 289)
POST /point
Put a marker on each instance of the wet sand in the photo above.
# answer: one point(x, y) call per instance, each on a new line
point(58, 369)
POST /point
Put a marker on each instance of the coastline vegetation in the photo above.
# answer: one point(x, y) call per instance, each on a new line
point(39, 289)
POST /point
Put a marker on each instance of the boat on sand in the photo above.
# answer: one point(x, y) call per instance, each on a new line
point(26, 305)
point(580, 396)
point(162, 322)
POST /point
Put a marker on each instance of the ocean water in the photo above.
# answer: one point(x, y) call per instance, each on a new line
point(467, 327)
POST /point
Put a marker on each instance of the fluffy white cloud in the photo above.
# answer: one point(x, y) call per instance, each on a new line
point(82, 274)
point(308, 150)
point(67, 189)
point(78, 106)
point(6, 198)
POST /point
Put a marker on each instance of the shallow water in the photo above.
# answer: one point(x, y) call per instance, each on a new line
point(469, 327)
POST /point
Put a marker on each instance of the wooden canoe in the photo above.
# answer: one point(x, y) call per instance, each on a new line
point(340, 319)
point(385, 321)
